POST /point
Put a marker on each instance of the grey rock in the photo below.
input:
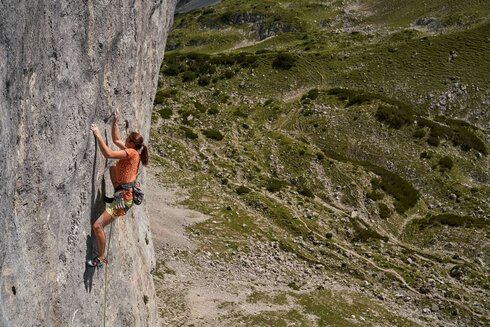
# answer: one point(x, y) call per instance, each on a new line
point(64, 65)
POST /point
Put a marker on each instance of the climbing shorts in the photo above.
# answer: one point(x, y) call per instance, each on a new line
point(127, 199)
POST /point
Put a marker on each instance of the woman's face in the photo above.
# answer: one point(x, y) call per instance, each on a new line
point(129, 143)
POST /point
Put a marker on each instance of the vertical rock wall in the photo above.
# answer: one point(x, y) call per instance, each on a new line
point(63, 65)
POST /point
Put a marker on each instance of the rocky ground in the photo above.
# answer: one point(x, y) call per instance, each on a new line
point(254, 284)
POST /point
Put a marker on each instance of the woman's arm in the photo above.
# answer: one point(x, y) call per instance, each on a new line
point(116, 138)
point(106, 151)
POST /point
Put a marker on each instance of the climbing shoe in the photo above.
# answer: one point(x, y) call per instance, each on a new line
point(96, 262)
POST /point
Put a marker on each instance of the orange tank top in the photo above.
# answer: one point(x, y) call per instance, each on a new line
point(127, 168)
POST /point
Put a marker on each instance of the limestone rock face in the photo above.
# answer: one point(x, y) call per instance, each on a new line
point(63, 65)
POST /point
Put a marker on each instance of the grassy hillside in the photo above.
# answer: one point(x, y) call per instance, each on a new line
point(352, 133)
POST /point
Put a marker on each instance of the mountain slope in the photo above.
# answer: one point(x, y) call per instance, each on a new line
point(351, 135)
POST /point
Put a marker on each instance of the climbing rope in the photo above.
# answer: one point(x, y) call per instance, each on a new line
point(106, 269)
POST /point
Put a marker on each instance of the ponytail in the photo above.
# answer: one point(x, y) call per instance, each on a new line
point(137, 139)
point(144, 155)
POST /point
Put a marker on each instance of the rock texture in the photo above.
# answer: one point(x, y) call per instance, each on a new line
point(65, 64)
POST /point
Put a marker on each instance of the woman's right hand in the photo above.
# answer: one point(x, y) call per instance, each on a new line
point(95, 130)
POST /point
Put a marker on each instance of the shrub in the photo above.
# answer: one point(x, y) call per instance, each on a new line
point(213, 111)
point(213, 134)
point(242, 190)
point(446, 163)
point(425, 155)
point(274, 185)
point(224, 60)
point(303, 190)
point(189, 133)
point(173, 69)
point(320, 156)
point(393, 117)
point(165, 113)
point(419, 133)
point(160, 97)
point(384, 211)
point(450, 219)
point(458, 132)
point(405, 195)
point(199, 106)
point(375, 195)
point(312, 94)
point(228, 74)
point(433, 140)
point(246, 60)
point(203, 81)
point(188, 76)
point(284, 61)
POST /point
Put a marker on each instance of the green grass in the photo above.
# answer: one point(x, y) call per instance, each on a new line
point(352, 122)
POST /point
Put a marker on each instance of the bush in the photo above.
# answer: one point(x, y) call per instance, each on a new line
point(384, 211)
point(394, 116)
point(160, 97)
point(303, 190)
point(188, 76)
point(189, 133)
point(433, 140)
point(419, 133)
point(199, 106)
point(450, 219)
point(242, 190)
point(274, 185)
point(213, 111)
point(284, 61)
point(405, 195)
point(312, 94)
point(224, 60)
point(375, 195)
point(173, 69)
point(165, 113)
point(458, 132)
point(203, 81)
point(446, 163)
point(229, 74)
point(213, 134)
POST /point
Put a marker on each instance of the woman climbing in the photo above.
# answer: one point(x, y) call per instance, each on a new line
point(123, 175)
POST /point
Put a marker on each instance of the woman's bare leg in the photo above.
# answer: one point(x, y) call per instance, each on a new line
point(98, 228)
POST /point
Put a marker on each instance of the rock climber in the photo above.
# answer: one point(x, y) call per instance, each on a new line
point(123, 175)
